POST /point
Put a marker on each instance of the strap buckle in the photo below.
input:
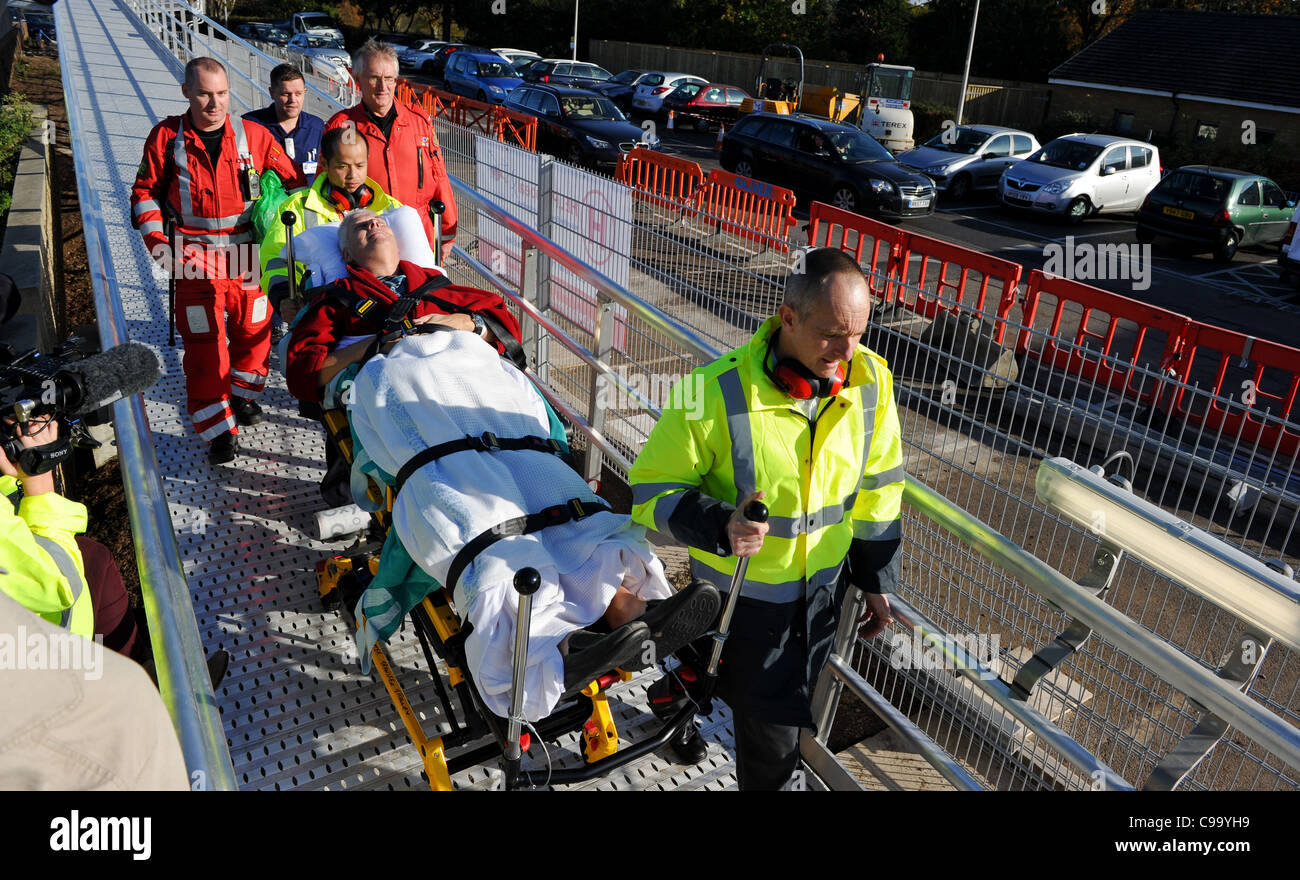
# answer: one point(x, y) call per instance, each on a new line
point(490, 442)
point(575, 506)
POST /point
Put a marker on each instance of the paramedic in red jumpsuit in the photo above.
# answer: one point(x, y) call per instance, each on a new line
point(204, 167)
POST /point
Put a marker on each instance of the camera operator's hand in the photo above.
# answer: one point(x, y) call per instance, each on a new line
point(35, 432)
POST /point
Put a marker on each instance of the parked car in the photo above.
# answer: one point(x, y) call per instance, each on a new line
point(969, 157)
point(436, 68)
point(702, 105)
point(314, 23)
point(1219, 209)
point(1288, 254)
point(835, 163)
point(620, 88)
point(654, 87)
point(325, 54)
point(483, 77)
point(1078, 175)
point(518, 58)
point(419, 52)
point(561, 72)
point(576, 124)
point(263, 32)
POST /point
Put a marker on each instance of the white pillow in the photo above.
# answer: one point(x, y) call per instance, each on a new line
point(318, 247)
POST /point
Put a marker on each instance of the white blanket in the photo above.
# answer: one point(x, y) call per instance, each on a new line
point(443, 386)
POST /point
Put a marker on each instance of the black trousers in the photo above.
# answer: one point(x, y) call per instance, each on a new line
point(766, 753)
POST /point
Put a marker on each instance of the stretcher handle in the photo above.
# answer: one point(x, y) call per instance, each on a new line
point(527, 582)
point(289, 219)
point(436, 207)
point(755, 511)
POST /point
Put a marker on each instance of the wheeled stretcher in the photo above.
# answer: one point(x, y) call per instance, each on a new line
point(377, 584)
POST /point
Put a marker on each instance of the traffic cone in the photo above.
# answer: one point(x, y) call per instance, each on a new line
point(670, 120)
point(717, 145)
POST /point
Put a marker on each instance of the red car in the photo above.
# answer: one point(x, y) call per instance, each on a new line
point(704, 104)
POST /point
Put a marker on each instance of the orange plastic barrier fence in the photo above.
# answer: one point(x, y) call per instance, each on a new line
point(1117, 341)
point(661, 179)
point(490, 119)
point(748, 208)
point(876, 245)
point(952, 278)
point(1263, 376)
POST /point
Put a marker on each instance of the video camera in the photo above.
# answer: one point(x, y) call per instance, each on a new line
point(74, 384)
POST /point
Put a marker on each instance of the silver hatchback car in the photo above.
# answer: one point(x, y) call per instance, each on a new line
point(969, 157)
point(1078, 175)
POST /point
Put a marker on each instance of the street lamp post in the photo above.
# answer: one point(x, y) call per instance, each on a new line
point(574, 44)
point(965, 75)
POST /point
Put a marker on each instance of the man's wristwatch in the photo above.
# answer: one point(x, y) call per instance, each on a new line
point(480, 326)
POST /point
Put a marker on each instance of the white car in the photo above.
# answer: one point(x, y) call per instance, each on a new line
point(325, 54)
point(653, 87)
point(1288, 255)
point(516, 56)
point(1078, 175)
point(415, 57)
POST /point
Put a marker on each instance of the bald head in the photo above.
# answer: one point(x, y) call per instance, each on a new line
point(825, 311)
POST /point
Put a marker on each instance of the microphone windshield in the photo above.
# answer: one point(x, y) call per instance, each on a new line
point(108, 377)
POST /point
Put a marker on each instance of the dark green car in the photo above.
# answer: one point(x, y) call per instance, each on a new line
point(1216, 209)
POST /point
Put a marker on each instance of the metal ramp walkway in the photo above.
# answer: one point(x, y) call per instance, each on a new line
point(295, 712)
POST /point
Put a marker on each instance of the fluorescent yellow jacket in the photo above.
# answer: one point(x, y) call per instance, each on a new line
point(40, 563)
point(834, 491)
point(312, 208)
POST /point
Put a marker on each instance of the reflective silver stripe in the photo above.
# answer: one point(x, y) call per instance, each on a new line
point(68, 568)
point(643, 492)
point(182, 162)
point(145, 205)
point(247, 393)
point(745, 474)
point(149, 226)
point(241, 137)
point(215, 222)
point(870, 396)
point(314, 218)
point(877, 531)
point(789, 591)
point(208, 411)
point(664, 511)
point(254, 379)
point(219, 239)
point(885, 478)
point(221, 427)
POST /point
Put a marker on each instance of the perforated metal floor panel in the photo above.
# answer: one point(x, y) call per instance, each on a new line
point(296, 711)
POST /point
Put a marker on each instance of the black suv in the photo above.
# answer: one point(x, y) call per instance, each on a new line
point(561, 72)
point(835, 163)
point(575, 124)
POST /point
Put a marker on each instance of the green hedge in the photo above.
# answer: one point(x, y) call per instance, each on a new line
point(16, 123)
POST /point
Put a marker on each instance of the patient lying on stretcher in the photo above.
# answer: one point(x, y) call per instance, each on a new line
point(470, 516)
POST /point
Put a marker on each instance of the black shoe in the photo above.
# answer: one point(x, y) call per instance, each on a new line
point(590, 656)
point(688, 746)
point(677, 621)
point(222, 450)
point(217, 665)
point(247, 412)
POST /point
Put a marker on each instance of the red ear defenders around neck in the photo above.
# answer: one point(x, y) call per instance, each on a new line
point(346, 201)
point(798, 381)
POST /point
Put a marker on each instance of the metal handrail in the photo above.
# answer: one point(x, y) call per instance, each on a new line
point(905, 727)
point(178, 650)
point(168, 12)
point(1098, 773)
point(1127, 635)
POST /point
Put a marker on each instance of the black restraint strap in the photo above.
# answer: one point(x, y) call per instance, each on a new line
point(486, 442)
point(571, 511)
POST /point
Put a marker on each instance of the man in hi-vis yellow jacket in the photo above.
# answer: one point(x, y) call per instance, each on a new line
point(803, 417)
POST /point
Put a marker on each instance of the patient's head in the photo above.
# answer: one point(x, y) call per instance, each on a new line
point(366, 241)
point(347, 157)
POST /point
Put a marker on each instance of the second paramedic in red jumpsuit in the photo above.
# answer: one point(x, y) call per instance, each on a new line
point(204, 166)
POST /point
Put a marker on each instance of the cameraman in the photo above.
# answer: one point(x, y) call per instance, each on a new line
point(43, 569)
